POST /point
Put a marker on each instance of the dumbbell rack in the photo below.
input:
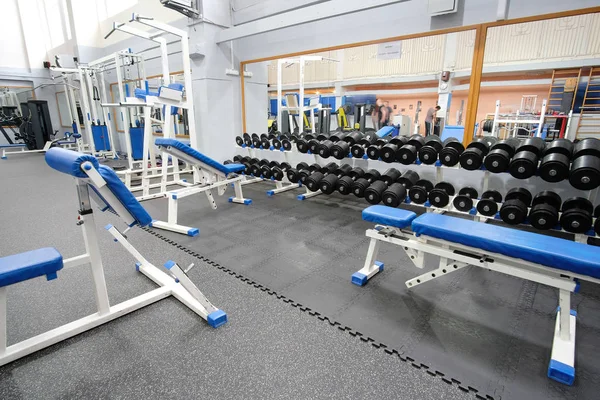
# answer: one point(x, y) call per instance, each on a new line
point(280, 186)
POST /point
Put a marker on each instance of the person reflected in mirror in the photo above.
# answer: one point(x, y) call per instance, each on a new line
point(429, 120)
point(376, 114)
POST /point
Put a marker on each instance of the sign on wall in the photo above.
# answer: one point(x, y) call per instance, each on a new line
point(389, 51)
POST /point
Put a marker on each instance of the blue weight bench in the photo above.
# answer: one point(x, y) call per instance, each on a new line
point(459, 243)
point(98, 183)
point(4, 147)
point(213, 175)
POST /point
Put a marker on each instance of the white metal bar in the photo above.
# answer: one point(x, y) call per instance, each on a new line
point(76, 261)
point(187, 283)
point(3, 330)
point(91, 245)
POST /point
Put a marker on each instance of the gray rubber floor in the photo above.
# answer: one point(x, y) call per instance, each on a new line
point(268, 349)
point(481, 329)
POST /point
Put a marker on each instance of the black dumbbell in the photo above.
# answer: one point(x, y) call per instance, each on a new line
point(358, 150)
point(472, 158)
point(439, 196)
point(265, 141)
point(313, 181)
point(515, 206)
point(305, 173)
point(255, 169)
point(373, 151)
point(302, 142)
point(374, 192)
point(279, 171)
point(560, 146)
point(324, 148)
point(249, 163)
point(408, 153)
point(237, 158)
point(394, 195)
point(255, 140)
point(337, 146)
point(498, 159)
point(419, 191)
point(585, 169)
point(576, 215)
point(450, 154)
point(247, 139)
point(286, 141)
point(226, 162)
point(330, 181)
point(293, 174)
point(428, 154)
point(544, 210)
point(321, 137)
point(488, 204)
point(239, 140)
point(464, 200)
point(361, 184)
point(390, 176)
point(408, 179)
point(388, 152)
point(353, 138)
point(344, 184)
point(524, 164)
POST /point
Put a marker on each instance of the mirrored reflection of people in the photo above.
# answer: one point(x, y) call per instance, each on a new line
point(429, 120)
point(386, 117)
point(376, 114)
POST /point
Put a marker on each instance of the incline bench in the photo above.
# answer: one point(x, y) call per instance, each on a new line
point(214, 175)
point(101, 184)
point(459, 242)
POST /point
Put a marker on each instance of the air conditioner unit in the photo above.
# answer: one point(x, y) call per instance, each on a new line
point(441, 7)
point(189, 8)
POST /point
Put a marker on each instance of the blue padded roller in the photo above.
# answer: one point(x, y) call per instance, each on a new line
point(68, 161)
point(21, 267)
point(184, 148)
point(553, 252)
point(389, 216)
point(125, 197)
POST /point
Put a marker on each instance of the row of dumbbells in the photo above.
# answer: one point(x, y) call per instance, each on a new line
point(543, 211)
point(554, 161)
point(267, 141)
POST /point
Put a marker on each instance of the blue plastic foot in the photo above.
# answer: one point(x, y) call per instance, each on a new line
point(473, 211)
point(380, 265)
point(247, 202)
point(438, 163)
point(365, 157)
point(427, 204)
point(407, 200)
point(359, 279)
point(301, 197)
point(418, 162)
point(193, 232)
point(170, 264)
point(51, 276)
point(230, 199)
point(561, 372)
point(216, 318)
point(272, 148)
point(270, 193)
point(3, 157)
point(137, 266)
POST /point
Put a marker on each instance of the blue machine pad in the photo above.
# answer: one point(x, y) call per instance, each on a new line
point(21, 267)
point(184, 148)
point(385, 215)
point(540, 249)
point(123, 194)
point(69, 162)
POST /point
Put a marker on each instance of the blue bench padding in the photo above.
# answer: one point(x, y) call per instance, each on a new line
point(127, 199)
point(21, 267)
point(184, 148)
point(2, 146)
point(553, 252)
point(68, 161)
point(142, 93)
point(389, 216)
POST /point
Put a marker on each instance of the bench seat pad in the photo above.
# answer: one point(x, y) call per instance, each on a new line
point(184, 148)
point(389, 216)
point(553, 252)
point(21, 267)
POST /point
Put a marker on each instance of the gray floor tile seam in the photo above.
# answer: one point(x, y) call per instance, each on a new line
point(377, 345)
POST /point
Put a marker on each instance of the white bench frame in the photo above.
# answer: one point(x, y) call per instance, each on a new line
point(563, 348)
point(175, 282)
point(210, 178)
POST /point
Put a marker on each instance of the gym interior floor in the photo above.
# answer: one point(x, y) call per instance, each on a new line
point(297, 327)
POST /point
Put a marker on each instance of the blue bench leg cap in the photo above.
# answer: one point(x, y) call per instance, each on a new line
point(51, 276)
point(301, 197)
point(247, 202)
point(270, 193)
point(137, 266)
point(193, 232)
point(216, 318)
point(359, 279)
point(4, 158)
point(561, 372)
point(230, 199)
point(380, 265)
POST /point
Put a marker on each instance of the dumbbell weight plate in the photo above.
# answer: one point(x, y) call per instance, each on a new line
point(408, 179)
point(344, 185)
point(523, 165)
point(497, 161)
point(587, 147)
point(407, 154)
point(313, 144)
point(534, 145)
point(507, 145)
point(576, 215)
point(597, 223)
point(559, 146)
point(266, 172)
point(488, 204)
point(239, 141)
point(521, 194)
point(472, 158)
point(513, 212)
point(247, 139)
point(276, 144)
point(585, 172)
point(374, 192)
point(554, 167)
point(543, 216)
point(464, 200)
point(394, 195)
point(286, 144)
point(439, 196)
point(419, 191)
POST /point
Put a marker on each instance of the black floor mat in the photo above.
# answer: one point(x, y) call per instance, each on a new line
point(482, 329)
